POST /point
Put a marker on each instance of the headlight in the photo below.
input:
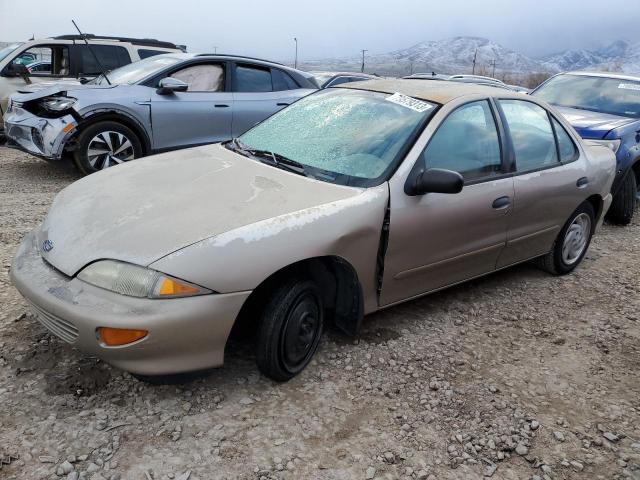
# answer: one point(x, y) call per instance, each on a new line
point(612, 144)
point(136, 281)
point(58, 104)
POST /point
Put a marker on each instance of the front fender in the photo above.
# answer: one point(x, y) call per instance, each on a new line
point(241, 259)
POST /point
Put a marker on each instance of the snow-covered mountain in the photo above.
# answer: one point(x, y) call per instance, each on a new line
point(455, 55)
point(621, 55)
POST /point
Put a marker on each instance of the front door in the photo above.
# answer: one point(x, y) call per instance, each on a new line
point(202, 114)
point(436, 240)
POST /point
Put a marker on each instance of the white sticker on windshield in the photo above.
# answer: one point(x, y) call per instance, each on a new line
point(409, 102)
point(630, 86)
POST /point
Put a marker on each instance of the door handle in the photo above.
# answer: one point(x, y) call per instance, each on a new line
point(221, 105)
point(282, 104)
point(582, 182)
point(501, 203)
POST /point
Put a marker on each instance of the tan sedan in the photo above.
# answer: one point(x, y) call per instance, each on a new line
point(348, 201)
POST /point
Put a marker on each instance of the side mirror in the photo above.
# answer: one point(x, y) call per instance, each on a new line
point(434, 180)
point(170, 85)
point(15, 70)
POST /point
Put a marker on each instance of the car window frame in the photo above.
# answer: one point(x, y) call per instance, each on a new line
point(154, 79)
point(576, 150)
point(506, 162)
point(286, 75)
point(256, 66)
point(223, 64)
point(51, 46)
point(550, 116)
point(75, 58)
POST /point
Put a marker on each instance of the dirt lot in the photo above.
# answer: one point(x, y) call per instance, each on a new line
point(515, 376)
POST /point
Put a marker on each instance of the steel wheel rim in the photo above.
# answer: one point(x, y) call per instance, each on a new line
point(301, 333)
point(576, 238)
point(109, 148)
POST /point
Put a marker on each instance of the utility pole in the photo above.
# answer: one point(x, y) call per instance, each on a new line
point(493, 64)
point(475, 55)
point(362, 66)
point(215, 50)
point(295, 62)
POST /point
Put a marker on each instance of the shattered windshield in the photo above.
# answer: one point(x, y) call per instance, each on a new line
point(137, 71)
point(598, 94)
point(7, 50)
point(354, 137)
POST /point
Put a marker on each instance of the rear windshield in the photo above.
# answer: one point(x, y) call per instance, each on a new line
point(598, 94)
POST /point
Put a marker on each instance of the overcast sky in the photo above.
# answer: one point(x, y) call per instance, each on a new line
point(329, 28)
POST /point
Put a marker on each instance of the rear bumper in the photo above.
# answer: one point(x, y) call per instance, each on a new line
point(43, 137)
point(606, 203)
point(185, 334)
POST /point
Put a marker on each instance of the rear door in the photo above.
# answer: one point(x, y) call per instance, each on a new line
point(436, 240)
point(258, 92)
point(202, 114)
point(549, 180)
point(109, 57)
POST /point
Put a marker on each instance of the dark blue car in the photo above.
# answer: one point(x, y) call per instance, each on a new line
point(604, 107)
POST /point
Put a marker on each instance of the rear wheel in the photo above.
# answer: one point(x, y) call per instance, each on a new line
point(572, 242)
point(105, 144)
point(625, 201)
point(291, 326)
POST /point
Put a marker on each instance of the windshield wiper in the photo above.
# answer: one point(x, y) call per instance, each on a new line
point(276, 159)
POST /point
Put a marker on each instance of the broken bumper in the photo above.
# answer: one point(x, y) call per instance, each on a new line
point(185, 334)
point(44, 137)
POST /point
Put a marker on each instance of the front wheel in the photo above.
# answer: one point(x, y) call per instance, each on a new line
point(290, 329)
point(105, 144)
point(624, 202)
point(572, 242)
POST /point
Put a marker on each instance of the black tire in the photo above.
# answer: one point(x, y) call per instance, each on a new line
point(554, 262)
point(111, 130)
point(624, 202)
point(291, 326)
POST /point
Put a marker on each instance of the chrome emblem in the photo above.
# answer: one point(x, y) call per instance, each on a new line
point(47, 245)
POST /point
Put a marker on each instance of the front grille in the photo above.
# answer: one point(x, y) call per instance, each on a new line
point(61, 328)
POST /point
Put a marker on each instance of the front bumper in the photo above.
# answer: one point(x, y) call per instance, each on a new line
point(43, 137)
point(185, 334)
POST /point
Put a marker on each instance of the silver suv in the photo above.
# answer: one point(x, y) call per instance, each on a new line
point(69, 59)
point(160, 103)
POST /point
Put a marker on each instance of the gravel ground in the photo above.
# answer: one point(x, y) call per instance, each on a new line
point(519, 375)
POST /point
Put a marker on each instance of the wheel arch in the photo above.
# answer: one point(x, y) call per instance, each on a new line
point(118, 116)
point(597, 203)
point(337, 279)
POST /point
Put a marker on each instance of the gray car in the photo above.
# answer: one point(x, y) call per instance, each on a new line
point(351, 200)
point(160, 103)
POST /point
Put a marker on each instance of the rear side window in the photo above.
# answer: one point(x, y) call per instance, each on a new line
point(253, 79)
point(146, 53)
point(110, 57)
point(282, 81)
point(466, 142)
point(566, 147)
point(531, 133)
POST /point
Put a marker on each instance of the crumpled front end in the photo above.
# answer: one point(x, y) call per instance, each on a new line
point(43, 137)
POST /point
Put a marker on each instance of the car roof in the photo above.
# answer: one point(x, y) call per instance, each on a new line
point(439, 92)
point(335, 74)
point(620, 76)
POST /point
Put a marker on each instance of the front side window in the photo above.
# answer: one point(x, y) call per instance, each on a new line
point(350, 137)
point(46, 60)
point(599, 94)
point(252, 79)
point(202, 78)
point(533, 140)
point(466, 142)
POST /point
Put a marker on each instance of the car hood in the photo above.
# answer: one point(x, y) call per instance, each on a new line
point(35, 91)
point(594, 125)
point(144, 210)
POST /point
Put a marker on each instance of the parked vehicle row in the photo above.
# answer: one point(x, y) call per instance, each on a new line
point(160, 103)
point(69, 59)
point(350, 200)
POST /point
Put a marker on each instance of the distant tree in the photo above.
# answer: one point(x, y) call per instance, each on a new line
point(532, 80)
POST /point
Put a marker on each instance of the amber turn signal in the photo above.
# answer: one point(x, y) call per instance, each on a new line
point(172, 287)
point(114, 337)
